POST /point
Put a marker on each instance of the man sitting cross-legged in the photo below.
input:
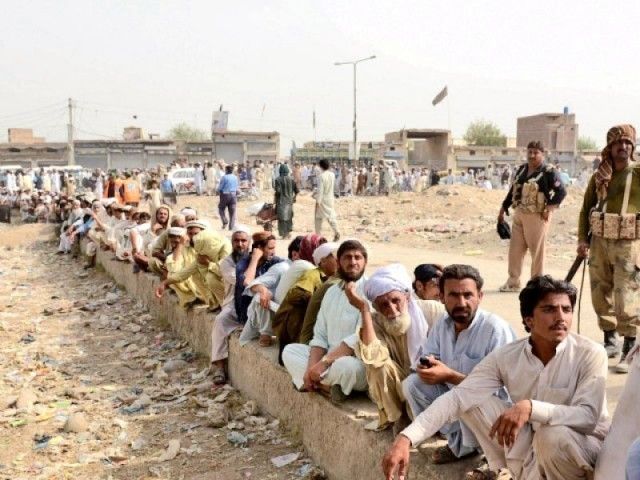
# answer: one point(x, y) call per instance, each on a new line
point(457, 343)
point(554, 426)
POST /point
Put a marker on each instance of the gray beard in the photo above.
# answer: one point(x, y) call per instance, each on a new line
point(399, 325)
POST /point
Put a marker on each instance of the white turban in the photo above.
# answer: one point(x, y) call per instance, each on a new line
point(391, 278)
point(323, 251)
point(189, 212)
point(177, 231)
point(242, 228)
point(197, 223)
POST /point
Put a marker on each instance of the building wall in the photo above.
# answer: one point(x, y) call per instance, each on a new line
point(556, 131)
point(20, 135)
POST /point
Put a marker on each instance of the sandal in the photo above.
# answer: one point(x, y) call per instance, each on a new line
point(218, 376)
point(483, 473)
point(265, 340)
point(442, 455)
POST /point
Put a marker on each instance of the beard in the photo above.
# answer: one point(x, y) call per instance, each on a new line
point(348, 276)
point(399, 325)
point(462, 316)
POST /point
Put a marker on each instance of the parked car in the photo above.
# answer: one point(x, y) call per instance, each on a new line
point(183, 180)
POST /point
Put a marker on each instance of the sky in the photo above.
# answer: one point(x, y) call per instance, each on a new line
point(271, 64)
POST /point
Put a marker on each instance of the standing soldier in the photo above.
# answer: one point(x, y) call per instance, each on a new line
point(610, 213)
point(535, 192)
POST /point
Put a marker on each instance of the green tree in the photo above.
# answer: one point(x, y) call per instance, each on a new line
point(586, 143)
point(485, 133)
point(186, 133)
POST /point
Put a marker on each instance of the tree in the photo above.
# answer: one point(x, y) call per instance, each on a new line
point(485, 133)
point(186, 133)
point(586, 143)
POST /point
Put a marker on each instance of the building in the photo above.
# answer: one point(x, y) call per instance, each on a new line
point(233, 147)
point(339, 152)
point(422, 148)
point(131, 134)
point(557, 131)
point(23, 135)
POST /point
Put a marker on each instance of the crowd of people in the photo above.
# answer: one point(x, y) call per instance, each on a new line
point(428, 355)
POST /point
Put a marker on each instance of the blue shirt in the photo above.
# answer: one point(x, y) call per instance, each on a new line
point(486, 333)
point(166, 186)
point(228, 183)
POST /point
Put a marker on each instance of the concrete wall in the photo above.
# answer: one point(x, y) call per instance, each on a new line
point(332, 436)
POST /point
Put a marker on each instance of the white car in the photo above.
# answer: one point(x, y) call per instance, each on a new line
point(183, 180)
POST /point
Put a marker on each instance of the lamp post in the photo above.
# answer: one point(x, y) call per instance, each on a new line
point(355, 127)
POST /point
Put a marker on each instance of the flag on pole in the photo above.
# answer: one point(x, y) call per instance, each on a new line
point(439, 97)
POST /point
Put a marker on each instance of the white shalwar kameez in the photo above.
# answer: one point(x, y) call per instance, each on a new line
point(226, 321)
point(337, 322)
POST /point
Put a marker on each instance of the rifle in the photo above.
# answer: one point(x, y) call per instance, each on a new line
point(574, 268)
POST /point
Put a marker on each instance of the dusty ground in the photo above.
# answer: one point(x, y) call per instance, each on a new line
point(73, 345)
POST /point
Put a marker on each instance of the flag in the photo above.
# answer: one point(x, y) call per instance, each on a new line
point(314, 118)
point(439, 97)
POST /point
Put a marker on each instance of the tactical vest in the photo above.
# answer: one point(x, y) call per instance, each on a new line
point(614, 226)
point(531, 199)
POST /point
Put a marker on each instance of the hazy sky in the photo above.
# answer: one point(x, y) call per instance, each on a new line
point(168, 62)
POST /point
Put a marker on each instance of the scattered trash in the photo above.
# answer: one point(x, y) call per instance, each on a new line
point(284, 460)
point(27, 338)
point(76, 423)
point(237, 439)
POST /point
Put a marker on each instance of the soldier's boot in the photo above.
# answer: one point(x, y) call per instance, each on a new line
point(611, 343)
point(623, 366)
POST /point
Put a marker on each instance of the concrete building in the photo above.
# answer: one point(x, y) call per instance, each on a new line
point(131, 134)
point(557, 131)
point(422, 148)
point(23, 135)
point(120, 154)
point(338, 152)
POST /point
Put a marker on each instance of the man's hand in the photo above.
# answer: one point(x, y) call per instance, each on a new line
point(501, 215)
point(160, 290)
point(437, 374)
point(257, 253)
point(545, 215)
point(395, 463)
point(583, 249)
point(265, 298)
point(309, 385)
point(354, 299)
point(509, 424)
point(315, 372)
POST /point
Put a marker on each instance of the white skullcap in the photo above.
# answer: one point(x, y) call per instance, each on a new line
point(189, 212)
point(323, 251)
point(177, 231)
point(197, 223)
point(242, 228)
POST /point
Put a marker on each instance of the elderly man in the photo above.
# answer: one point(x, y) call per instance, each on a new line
point(210, 248)
point(180, 257)
point(288, 320)
point(227, 321)
point(457, 343)
point(391, 339)
point(555, 423)
point(609, 212)
point(328, 363)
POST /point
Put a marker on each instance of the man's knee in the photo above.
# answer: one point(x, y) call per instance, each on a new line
point(410, 386)
point(550, 441)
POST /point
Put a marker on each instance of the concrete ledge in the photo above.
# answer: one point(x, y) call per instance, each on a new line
point(332, 436)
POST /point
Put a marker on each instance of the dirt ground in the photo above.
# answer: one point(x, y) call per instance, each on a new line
point(81, 345)
point(92, 387)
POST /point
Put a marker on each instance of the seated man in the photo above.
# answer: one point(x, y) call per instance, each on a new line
point(210, 248)
point(269, 291)
point(227, 321)
point(328, 364)
point(554, 426)
point(181, 256)
point(457, 343)
point(159, 249)
point(288, 320)
point(391, 340)
point(426, 289)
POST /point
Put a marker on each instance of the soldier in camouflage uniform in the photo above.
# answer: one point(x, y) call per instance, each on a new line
point(610, 213)
point(536, 191)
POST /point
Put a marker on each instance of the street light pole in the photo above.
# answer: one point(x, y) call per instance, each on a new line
point(355, 105)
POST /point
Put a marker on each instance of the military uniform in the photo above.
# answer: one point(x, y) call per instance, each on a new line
point(530, 194)
point(614, 254)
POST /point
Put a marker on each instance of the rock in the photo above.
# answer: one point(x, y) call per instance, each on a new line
point(26, 399)
point(253, 421)
point(171, 366)
point(237, 439)
point(217, 415)
point(222, 397)
point(365, 221)
point(76, 423)
point(171, 452)
point(138, 444)
point(251, 408)
point(284, 460)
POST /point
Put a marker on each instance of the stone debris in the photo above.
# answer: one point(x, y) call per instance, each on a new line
point(90, 384)
point(284, 460)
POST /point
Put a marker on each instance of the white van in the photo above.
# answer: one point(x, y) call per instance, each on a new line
point(183, 180)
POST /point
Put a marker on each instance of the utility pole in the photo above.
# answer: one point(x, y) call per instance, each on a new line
point(355, 125)
point(71, 160)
